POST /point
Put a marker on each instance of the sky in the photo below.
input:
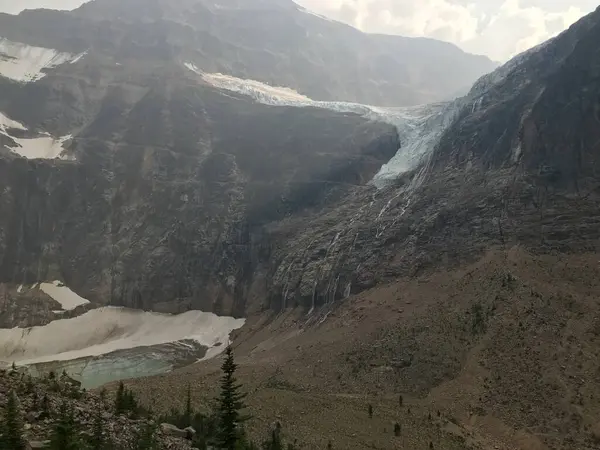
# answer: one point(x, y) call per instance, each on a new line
point(496, 28)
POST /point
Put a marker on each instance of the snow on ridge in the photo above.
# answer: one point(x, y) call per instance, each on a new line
point(6, 124)
point(312, 13)
point(41, 147)
point(78, 57)
point(109, 329)
point(68, 299)
point(25, 64)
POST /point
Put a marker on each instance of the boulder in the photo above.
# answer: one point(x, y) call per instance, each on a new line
point(172, 430)
point(30, 445)
point(191, 432)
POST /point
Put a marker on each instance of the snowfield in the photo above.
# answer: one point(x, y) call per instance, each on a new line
point(109, 329)
point(41, 147)
point(68, 299)
point(25, 64)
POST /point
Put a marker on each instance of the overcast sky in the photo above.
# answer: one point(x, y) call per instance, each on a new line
point(497, 28)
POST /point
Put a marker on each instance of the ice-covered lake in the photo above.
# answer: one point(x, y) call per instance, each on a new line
point(111, 343)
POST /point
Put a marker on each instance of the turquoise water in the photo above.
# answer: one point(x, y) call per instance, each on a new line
point(139, 362)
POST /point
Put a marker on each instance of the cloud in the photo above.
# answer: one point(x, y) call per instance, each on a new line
point(497, 28)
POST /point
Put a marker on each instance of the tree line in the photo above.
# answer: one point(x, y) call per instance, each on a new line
point(222, 429)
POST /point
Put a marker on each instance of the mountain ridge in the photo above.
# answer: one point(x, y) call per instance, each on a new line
point(337, 62)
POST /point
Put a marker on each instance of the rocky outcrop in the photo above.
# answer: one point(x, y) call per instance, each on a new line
point(40, 401)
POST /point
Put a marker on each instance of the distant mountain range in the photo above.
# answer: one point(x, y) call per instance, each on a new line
point(273, 41)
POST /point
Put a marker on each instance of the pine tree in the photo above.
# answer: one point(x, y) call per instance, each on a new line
point(120, 399)
point(397, 429)
point(370, 411)
point(231, 402)
point(274, 443)
point(45, 407)
point(64, 435)
point(146, 439)
point(189, 413)
point(97, 441)
point(11, 436)
point(329, 445)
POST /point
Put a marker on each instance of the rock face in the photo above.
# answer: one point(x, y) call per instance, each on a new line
point(274, 41)
point(170, 192)
point(182, 196)
point(517, 166)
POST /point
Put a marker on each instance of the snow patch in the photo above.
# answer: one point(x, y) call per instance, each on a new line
point(42, 147)
point(68, 299)
point(109, 329)
point(45, 147)
point(25, 64)
point(78, 57)
point(20, 289)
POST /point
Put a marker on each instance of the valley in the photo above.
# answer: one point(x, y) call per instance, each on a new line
point(175, 179)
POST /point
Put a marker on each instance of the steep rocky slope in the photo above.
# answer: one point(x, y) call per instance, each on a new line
point(506, 349)
point(517, 165)
point(273, 41)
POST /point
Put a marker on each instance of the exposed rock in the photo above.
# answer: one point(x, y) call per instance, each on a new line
point(36, 444)
point(172, 430)
point(43, 397)
point(190, 432)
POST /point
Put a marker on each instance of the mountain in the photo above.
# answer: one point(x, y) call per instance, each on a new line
point(467, 285)
point(446, 253)
point(276, 42)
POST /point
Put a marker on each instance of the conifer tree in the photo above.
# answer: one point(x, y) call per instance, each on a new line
point(231, 403)
point(146, 439)
point(274, 443)
point(370, 411)
point(64, 435)
point(188, 407)
point(120, 399)
point(45, 407)
point(11, 430)
point(97, 441)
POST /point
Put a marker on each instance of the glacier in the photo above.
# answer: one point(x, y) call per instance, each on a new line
point(25, 64)
point(419, 127)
